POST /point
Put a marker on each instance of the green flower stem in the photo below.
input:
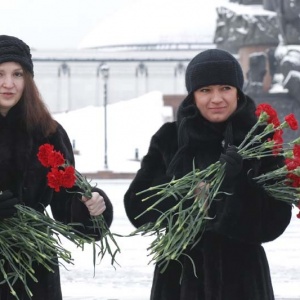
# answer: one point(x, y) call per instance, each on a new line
point(183, 224)
point(284, 193)
point(33, 238)
point(249, 135)
point(8, 281)
point(98, 223)
point(180, 227)
point(106, 236)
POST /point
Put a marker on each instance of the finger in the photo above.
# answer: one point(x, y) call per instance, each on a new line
point(98, 211)
point(89, 204)
point(85, 199)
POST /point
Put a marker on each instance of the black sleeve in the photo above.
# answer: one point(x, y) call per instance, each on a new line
point(65, 205)
point(249, 214)
point(151, 173)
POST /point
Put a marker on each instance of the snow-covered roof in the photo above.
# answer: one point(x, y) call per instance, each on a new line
point(157, 24)
point(249, 10)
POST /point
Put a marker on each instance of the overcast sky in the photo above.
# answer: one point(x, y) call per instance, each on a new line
point(62, 24)
point(54, 24)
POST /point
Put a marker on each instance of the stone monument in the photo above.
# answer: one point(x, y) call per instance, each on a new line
point(264, 30)
point(288, 51)
point(265, 37)
point(244, 27)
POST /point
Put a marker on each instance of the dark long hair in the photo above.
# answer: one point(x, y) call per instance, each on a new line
point(35, 114)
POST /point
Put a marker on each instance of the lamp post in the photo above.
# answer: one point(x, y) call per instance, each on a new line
point(64, 74)
point(105, 73)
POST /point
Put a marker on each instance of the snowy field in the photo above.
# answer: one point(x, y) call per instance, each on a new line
point(132, 279)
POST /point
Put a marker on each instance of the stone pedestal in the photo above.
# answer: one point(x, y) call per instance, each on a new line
point(244, 54)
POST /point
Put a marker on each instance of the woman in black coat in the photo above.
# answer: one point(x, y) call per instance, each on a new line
point(26, 124)
point(230, 261)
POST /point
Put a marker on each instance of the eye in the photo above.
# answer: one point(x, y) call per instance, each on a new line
point(204, 90)
point(18, 74)
point(227, 88)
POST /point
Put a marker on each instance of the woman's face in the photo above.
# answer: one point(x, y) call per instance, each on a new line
point(216, 102)
point(11, 85)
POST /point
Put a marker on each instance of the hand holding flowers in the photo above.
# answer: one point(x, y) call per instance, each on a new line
point(95, 204)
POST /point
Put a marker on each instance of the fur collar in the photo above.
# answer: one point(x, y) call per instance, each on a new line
point(193, 128)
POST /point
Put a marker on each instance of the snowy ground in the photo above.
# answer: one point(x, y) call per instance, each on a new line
point(132, 279)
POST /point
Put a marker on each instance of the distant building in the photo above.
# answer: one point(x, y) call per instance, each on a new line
point(146, 47)
point(70, 80)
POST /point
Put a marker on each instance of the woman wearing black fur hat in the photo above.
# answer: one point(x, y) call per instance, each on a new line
point(212, 120)
point(26, 124)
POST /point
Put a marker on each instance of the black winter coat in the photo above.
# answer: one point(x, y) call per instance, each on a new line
point(23, 174)
point(230, 261)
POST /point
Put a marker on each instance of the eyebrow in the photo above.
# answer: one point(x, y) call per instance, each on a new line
point(13, 70)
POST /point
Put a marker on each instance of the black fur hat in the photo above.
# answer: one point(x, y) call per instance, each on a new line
point(213, 66)
point(14, 49)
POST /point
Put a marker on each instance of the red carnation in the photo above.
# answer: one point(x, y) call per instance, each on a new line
point(68, 177)
point(55, 179)
point(61, 175)
point(61, 178)
point(291, 120)
point(296, 150)
point(270, 111)
point(49, 157)
point(43, 154)
point(278, 142)
point(298, 215)
point(294, 180)
point(292, 163)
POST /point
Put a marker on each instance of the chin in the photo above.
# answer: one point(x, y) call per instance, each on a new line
point(217, 120)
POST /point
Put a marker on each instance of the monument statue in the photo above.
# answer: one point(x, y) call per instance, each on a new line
point(235, 30)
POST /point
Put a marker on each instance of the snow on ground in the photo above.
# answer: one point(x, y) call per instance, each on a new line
point(130, 125)
point(132, 279)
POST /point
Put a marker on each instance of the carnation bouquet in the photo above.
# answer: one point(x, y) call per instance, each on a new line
point(64, 175)
point(31, 237)
point(182, 225)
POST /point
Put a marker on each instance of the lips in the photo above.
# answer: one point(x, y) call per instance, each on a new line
point(217, 108)
point(7, 95)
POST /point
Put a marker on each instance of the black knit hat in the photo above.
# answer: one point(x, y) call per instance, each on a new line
point(14, 49)
point(213, 66)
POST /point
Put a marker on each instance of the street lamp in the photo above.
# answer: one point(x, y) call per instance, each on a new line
point(64, 74)
point(105, 73)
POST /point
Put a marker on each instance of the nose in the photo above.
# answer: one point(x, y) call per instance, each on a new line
point(216, 97)
point(7, 82)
